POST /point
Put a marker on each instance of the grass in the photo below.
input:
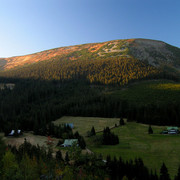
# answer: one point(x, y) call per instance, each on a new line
point(135, 142)
point(33, 139)
point(84, 124)
point(149, 92)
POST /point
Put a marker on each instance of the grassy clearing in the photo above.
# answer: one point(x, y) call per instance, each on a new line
point(136, 142)
point(84, 124)
point(33, 139)
point(149, 92)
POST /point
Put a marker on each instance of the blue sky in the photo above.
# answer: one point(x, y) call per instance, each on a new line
point(29, 26)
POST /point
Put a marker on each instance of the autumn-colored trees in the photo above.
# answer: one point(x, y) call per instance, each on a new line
point(99, 70)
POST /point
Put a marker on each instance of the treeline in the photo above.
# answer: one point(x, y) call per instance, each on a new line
point(109, 138)
point(35, 162)
point(167, 114)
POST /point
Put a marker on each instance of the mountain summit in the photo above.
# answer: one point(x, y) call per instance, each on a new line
point(154, 52)
point(117, 61)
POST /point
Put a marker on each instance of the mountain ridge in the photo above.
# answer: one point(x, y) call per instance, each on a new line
point(114, 62)
point(138, 48)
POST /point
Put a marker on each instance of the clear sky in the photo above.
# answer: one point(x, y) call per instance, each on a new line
point(29, 26)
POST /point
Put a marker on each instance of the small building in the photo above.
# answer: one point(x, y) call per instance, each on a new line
point(69, 142)
point(13, 132)
point(171, 130)
point(71, 125)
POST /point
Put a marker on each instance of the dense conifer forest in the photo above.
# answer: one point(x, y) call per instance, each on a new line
point(32, 104)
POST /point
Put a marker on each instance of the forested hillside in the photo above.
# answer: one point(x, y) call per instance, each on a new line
point(114, 62)
point(112, 70)
point(75, 80)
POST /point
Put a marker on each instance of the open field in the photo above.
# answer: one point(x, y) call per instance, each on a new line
point(33, 139)
point(136, 142)
point(36, 140)
point(84, 124)
point(149, 92)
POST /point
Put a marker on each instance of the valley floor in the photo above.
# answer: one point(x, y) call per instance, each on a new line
point(134, 141)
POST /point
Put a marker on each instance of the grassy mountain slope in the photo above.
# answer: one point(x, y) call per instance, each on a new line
point(113, 62)
point(155, 53)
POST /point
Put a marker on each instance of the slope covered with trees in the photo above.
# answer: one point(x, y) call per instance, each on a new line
point(113, 70)
point(74, 82)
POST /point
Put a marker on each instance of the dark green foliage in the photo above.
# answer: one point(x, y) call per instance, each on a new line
point(67, 157)
point(153, 176)
point(92, 133)
point(59, 156)
point(109, 138)
point(32, 162)
point(49, 154)
point(60, 142)
point(177, 177)
point(121, 121)
point(81, 142)
point(164, 173)
point(2, 147)
point(76, 135)
point(150, 130)
point(33, 104)
point(136, 169)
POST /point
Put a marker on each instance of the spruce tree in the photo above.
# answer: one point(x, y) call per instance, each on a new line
point(59, 156)
point(76, 135)
point(150, 130)
point(93, 132)
point(121, 122)
point(177, 177)
point(164, 173)
point(82, 142)
point(67, 158)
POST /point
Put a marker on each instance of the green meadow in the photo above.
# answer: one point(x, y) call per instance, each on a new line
point(84, 124)
point(134, 141)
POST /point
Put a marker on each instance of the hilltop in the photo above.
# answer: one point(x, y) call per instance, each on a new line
point(154, 52)
point(113, 62)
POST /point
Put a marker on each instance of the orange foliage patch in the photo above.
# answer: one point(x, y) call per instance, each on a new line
point(130, 40)
point(72, 58)
point(96, 47)
point(41, 56)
